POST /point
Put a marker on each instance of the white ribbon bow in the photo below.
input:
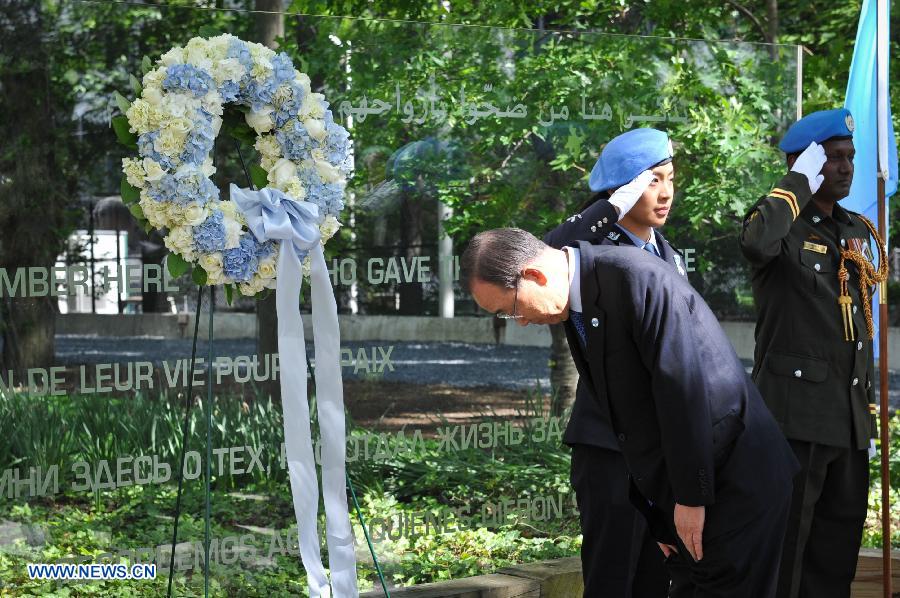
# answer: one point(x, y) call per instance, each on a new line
point(272, 215)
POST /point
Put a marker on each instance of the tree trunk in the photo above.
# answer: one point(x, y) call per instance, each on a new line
point(563, 374)
point(34, 194)
point(269, 27)
point(411, 212)
point(270, 23)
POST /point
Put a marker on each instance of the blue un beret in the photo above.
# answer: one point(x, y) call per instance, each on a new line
point(817, 126)
point(627, 156)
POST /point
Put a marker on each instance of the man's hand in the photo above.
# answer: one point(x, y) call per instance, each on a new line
point(627, 195)
point(689, 525)
point(810, 163)
point(667, 549)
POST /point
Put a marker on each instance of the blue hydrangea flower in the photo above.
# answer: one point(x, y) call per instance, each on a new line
point(295, 141)
point(146, 150)
point(229, 90)
point(265, 249)
point(290, 107)
point(283, 68)
point(328, 196)
point(259, 94)
point(199, 142)
point(184, 187)
point(238, 49)
point(209, 236)
point(187, 77)
point(241, 263)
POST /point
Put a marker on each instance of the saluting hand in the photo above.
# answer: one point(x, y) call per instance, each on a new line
point(689, 525)
point(810, 163)
point(627, 195)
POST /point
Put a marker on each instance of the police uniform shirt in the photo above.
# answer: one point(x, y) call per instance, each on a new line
point(638, 242)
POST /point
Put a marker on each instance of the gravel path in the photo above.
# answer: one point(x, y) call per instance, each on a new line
point(455, 364)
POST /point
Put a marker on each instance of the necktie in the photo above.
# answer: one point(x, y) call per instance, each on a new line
point(649, 247)
point(578, 321)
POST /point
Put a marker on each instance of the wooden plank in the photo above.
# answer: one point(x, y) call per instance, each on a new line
point(560, 578)
point(867, 583)
point(482, 586)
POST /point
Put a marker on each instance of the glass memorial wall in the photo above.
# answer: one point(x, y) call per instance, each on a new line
point(454, 418)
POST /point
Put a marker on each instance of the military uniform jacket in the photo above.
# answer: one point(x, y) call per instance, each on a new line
point(587, 423)
point(687, 418)
point(818, 385)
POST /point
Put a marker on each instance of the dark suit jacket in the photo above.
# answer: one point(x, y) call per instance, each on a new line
point(587, 423)
point(690, 423)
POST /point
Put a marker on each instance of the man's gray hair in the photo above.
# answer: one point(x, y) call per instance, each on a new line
point(498, 256)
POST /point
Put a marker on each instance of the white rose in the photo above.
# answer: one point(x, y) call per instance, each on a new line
point(212, 102)
point(216, 278)
point(267, 268)
point(195, 214)
point(211, 262)
point(207, 167)
point(229, 69)
point(315, 128)
point(138, 115)
point(260, 121)
point(134, 172)
point(282, 172)
point(329, 227)
point(232, 231)
point(251, 288)
point(174, 212)
point(180, 105)
point(152, 80)
point(268, 146)
point(180, 240)
point(295, 189)
point(152, 96)
point(170, 142)
point(153, 170)
point(180, 124)
point(317, 107)
point(217, 47)
point(152, 213)
point(327, 172)
point(173, 56)
point(196, 54)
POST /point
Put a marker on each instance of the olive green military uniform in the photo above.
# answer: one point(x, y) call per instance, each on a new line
point(818, 384)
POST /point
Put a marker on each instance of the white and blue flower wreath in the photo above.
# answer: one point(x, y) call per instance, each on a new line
point(245, 241)
point(173, 124)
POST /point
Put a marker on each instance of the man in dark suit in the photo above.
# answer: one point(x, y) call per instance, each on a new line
point(709, 467)
point(633, 181)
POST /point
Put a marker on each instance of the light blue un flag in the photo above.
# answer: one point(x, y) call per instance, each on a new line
point(869, 103)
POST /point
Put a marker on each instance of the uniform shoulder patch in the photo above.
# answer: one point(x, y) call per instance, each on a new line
point(613, 236)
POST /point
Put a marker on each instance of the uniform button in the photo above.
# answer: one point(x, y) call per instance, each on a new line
point(843, 242)
point(817, 267)
point(854, 309)
point(605, 221)
point(593, 229)
point(595, 322)
point(621, 438)
point(797, 373)
point(855, 381)
point(859, 346)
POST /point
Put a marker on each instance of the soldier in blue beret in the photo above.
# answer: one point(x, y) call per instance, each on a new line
point(812, 272)
point(634, 184)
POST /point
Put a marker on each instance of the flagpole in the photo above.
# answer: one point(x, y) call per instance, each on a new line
point(881, 111)
point(884, 411)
